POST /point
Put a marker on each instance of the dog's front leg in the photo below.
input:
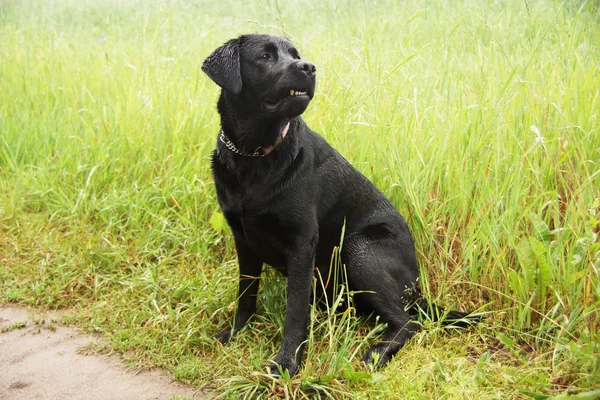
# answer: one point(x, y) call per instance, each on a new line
point(250, 269)
point(300, 273)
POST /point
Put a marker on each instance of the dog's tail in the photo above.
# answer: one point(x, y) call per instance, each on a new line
point(449, 318)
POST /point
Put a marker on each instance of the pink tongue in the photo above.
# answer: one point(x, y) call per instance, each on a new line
point(283, 133)
point(285, 130)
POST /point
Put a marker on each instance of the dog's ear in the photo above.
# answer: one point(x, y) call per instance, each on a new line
point(223, 66)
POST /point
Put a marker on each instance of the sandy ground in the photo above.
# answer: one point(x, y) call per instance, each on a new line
point(40, 363)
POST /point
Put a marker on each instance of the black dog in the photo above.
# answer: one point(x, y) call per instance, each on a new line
point(286, 195)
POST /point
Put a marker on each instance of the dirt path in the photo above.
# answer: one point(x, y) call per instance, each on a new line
point(39, 363)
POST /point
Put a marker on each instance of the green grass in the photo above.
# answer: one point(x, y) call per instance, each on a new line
point(479, 120)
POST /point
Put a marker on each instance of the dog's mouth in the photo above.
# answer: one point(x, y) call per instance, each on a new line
point(297, 92)
point(273, 104)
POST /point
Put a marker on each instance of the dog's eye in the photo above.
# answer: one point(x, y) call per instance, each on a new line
point(266, 56)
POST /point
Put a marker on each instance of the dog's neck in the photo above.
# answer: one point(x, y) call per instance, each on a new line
point(248, 134)
point(260, 151)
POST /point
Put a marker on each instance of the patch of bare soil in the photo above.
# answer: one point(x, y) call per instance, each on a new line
point(41, 363)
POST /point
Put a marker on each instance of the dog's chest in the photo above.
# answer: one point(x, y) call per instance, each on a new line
point(266, 232)
point(254, 210)
point(263, 213)
point(260, 226)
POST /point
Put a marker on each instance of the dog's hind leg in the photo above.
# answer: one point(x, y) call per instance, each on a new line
point(398, 331)
point(379, 275)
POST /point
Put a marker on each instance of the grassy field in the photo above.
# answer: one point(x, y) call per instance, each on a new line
point(478, 119)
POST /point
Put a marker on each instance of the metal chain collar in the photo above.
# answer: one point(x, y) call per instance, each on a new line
point(257, 153)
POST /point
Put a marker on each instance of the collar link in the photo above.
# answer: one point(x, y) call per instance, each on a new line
point(229, 144)
point(260, 151)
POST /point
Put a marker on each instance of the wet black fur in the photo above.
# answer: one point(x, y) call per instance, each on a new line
point(287, 209)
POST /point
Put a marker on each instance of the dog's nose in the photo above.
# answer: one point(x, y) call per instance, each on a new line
point(307, 67)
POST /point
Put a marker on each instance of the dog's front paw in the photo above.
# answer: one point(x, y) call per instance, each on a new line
point(224, 336)
point(278, 369)
point(376, 356)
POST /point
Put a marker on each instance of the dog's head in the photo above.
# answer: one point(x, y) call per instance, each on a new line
point(264, 71)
